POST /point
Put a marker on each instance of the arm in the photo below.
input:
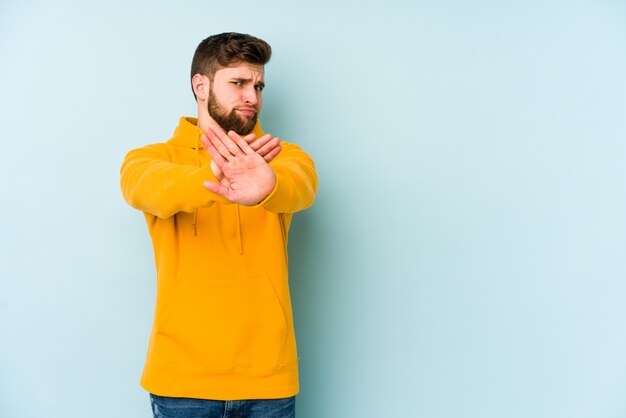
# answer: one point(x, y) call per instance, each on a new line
point(151, 183)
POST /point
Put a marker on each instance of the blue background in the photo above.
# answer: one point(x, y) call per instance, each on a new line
point(465, 255)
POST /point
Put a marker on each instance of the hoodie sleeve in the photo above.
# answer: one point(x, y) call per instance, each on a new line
point(296, 181)
point(153, 184)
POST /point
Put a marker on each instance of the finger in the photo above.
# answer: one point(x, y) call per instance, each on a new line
point(250, 138)
point(217, 171)
point(217, 129)
point(219, 175)
point(216, 139)
point(272, 154)
point(218, 160)
point(205, 141)
point(268, 147)
point(212, 133)
point(260, 142)
point(231, 145)
point(217, 143)
point(240, 142)
point(217, 188)
point(216, 156)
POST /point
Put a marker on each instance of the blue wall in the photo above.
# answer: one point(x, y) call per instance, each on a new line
point(465, 256)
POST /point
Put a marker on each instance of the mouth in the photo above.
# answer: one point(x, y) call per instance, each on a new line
point(247, 111)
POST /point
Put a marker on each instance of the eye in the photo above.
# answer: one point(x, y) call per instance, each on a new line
point(258, 88)
point(236, 83)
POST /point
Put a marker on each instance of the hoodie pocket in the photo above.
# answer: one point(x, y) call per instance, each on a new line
point(224, 324)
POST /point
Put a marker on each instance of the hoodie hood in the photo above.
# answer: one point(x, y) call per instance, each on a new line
point(187, 133)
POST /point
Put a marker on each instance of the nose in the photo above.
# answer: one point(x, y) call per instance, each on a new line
point(250, 96)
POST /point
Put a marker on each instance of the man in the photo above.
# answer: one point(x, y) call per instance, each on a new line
point(218, 198)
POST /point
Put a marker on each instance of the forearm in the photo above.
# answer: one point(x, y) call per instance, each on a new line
point(153, 184)
point(296, 181)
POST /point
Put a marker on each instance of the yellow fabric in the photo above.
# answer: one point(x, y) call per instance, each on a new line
point(223, 327)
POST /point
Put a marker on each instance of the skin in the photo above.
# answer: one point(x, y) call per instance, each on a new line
point(247, 178)
point(240, 164)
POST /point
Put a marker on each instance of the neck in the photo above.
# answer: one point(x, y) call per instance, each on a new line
point(205, 121)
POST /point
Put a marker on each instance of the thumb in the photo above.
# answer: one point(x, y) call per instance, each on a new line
point(216, 188)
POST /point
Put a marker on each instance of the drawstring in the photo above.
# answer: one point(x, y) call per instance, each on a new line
point(239, 230)
point(195, 212)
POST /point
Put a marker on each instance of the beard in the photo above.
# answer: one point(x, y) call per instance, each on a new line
point(229, 121)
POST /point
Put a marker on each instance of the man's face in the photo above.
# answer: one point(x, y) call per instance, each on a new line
point(235, 97)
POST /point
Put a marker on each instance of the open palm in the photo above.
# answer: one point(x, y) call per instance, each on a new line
point(246, 178)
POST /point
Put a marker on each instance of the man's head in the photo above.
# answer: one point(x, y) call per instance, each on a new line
point(227, 79)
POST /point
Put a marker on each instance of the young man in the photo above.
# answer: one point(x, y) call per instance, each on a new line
point(218, 198)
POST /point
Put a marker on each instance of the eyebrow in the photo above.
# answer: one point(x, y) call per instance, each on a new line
point(247, 80)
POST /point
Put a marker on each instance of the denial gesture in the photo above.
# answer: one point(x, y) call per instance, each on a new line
point(243, 174)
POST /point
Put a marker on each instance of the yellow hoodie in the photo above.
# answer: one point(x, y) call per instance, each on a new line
point(223, 327)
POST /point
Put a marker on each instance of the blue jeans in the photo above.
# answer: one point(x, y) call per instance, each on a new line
point(165, 407)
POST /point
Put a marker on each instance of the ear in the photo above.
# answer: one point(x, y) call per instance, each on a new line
point(201, 85)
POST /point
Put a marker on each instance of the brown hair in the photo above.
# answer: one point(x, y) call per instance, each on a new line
point(222, 50)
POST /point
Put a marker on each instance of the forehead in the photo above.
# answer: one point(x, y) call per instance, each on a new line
point(242, 70)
